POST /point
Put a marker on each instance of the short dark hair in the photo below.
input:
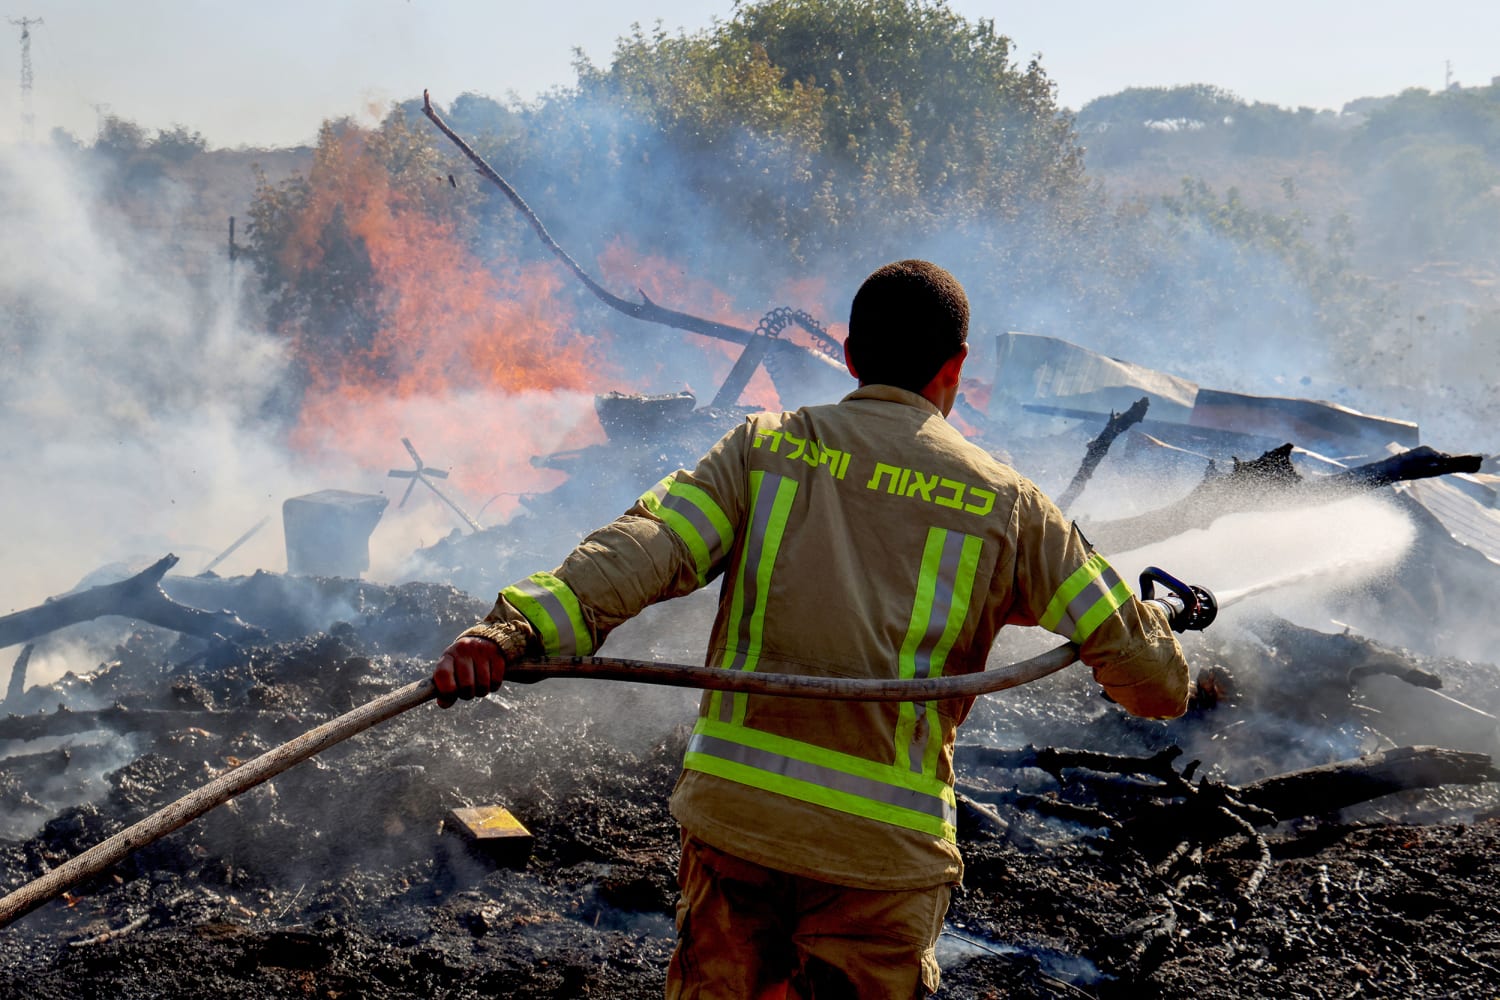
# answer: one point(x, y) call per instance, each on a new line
point(907, 319)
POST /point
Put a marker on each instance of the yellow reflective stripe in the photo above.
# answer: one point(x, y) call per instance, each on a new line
point(1085, 600)
point(693, 516)
point(916, 629)
point(771, 499)
point(945, 586)
point(775, 527)
point(554, 611)
point(810, 773)
point(921, 612)
point(1100, 610)
point(1082, 577)
point(705, 504)
point(958, 612)
point(847, 763)
point(819, 795)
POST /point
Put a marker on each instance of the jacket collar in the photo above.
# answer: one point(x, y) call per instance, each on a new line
point(891, 394)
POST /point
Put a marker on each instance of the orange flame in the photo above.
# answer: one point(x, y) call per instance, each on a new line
point(445, 324)
point(456, 353)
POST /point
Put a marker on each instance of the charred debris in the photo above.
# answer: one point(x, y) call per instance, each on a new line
point(1329, 800)
point(1323, 821)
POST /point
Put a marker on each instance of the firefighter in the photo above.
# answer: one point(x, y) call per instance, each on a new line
point(866, 538)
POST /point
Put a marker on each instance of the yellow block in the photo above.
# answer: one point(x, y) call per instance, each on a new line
point(494, 831)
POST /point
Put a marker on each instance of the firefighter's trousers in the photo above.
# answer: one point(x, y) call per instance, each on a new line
point(745, 931)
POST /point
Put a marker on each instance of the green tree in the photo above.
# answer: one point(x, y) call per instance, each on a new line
point(831, 125)
point(178, 144)
point(1469, 117)
point(1197, 118)
point(1433, 199)
point(316, 274)
point(1197, 104)
point(120, 138)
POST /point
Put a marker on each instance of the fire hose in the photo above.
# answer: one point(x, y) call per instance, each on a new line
point(273, 762)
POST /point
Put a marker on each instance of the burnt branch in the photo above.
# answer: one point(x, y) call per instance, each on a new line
point(1171, 805)
point(17, 685)
point(1043, 805)
point(153, 721)
point(1270, 482)
point(1117, 424)
point(1320, 790)
point(139, 597)
point(1419, 463)
point(1055, 760)
point(645, 309)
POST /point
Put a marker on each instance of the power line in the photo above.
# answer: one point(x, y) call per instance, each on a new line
point(28, 117)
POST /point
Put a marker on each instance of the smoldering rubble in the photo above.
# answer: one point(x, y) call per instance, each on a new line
point(1323, 821)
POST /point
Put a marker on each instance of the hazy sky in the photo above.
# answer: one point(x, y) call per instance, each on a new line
point(267, 72)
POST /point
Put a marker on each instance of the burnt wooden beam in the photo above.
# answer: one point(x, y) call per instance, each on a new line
point(139, 597)
point(1316, 791)
point(1270, 482)
point(1117, 424)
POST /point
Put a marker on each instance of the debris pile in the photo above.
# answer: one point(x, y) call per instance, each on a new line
point(1102, 869)
point(1323, 821)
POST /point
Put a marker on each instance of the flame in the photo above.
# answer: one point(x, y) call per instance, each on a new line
point(667, 282)
point(445, 327)
point(482, 364)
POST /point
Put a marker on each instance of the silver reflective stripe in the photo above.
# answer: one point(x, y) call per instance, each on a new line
point(693, 514)
point(745, 651)
point(563, 622)
point(1096, 590)
point(713, 542)
point(937, 625)
point(825, 777)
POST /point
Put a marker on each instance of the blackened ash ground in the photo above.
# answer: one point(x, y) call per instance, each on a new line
point(337, 880)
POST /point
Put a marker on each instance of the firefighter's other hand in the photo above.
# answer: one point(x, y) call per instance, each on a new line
point(470, 668)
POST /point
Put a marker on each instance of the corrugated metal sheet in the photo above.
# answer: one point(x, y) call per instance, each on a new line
point(1036, 368)
point(1482, 486)
point(1469, 521)
point(1314, 423)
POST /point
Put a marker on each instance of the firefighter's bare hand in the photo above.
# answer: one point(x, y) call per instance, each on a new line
point(470, 668)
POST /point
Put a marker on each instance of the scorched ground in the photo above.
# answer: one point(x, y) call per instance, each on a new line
point(336, 880)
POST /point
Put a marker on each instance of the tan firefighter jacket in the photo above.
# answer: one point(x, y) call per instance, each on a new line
point(862, 539)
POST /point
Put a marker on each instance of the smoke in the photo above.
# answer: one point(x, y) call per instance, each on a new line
point(486, 437)
point(142, 410)
point(127, 421)
point(1166, 289)
point(134, 416)
point(136, 408)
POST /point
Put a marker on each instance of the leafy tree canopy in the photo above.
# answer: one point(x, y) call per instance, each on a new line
point(1136, 107)
point(1469, 116)
point(896, 110)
